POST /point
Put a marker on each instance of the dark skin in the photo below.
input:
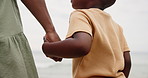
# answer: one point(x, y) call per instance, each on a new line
point(80, 43)
point(39, 10)
point(127, 61)
point(86, 4)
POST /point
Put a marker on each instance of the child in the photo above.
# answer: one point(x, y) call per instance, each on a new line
point(94, 41)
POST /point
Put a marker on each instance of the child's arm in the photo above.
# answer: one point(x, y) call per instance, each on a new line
point(76, 46)
point(127, 61)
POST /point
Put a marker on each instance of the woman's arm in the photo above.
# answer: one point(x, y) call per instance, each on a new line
point(39, 10)
point(77, 46)
point(127, 66)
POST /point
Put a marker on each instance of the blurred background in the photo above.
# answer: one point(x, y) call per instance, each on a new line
point(132, 15)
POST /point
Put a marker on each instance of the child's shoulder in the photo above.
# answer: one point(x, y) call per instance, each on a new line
point(88, 11)
point(79, 12)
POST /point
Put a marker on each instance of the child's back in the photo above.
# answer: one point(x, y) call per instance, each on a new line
point(105, 58)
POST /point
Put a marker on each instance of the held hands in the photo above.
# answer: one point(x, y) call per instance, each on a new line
point(52, 37)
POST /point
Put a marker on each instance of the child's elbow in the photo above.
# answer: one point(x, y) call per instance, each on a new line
point(83, 50)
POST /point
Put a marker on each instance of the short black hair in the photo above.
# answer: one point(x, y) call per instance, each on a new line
point(106, 3)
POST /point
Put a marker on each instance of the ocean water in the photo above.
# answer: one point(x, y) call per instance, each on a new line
point(47, 68)
point(50, 69)
point(139, 65)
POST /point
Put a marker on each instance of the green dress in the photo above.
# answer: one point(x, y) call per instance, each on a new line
point(16, 60)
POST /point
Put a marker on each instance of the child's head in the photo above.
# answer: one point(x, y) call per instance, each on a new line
point(85, 4)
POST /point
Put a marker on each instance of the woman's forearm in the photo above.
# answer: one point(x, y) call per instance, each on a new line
point(39, 10)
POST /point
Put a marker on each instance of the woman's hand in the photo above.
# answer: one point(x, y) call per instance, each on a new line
point(52, 37)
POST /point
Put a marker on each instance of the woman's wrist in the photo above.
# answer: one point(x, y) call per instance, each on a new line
point(50, 29)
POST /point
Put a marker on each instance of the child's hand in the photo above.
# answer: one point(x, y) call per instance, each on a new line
point(56, 59)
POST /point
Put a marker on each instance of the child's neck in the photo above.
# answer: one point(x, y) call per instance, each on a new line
point(98, 7)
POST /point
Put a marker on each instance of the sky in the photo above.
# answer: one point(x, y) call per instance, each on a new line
point(132, 15)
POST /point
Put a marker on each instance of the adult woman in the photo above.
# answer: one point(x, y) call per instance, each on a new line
point(16, 60)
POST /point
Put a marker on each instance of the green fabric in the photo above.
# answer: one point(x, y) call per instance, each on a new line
point(16, 60)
